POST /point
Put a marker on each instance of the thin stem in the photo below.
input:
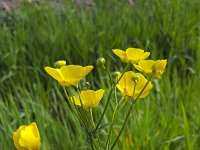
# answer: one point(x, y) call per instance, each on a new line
point(66, 94)
point(113, 118)
point(78, 113)
point(92, 120)
point(80, 117)
point(87, 122)
point(109, 76)
point(91, 142)
point(84, 112)
point(107, 102)
point(91, 116)
point(127, 116)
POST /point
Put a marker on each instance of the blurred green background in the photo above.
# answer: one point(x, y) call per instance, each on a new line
point(36, 34)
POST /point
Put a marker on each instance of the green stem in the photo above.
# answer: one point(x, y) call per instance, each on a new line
point(127, 116)
point(78, 113)
point(92, 120)
point(84, 112)
point(87, 122)
point(107, 102)
point(110, 79)
point(91, 116)
point(91, 142)
point(113, 118)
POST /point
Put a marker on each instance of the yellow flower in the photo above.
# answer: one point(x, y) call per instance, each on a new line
point(69, 75)
point(152, 67)
point(132, 55)
point(88, 98)
point(27, 137)
point(130, 80)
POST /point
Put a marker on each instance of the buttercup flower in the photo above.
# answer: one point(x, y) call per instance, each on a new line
point(152, 67)
point(132, 55)
point(130, 80)
point(27, 137)
point(69, 75)
point(89, 98)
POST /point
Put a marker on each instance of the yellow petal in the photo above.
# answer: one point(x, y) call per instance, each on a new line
point(158, 68)
point(136, 54)
point(54, 73)
point(72, 74)
point(121, 54)
point(145, 55)
point(145, 66)
point(121, 84)
point(99, 93)
point(139, 68)
point(140, 85)
point(76, 100)
point(98, 96)
point(126, 84)
point(28, 138)
point(129, 83)
point(35, 130)
point(64, 83)
point(87, 69)
point(17, 136)
point(160, 65)
point(146, 90)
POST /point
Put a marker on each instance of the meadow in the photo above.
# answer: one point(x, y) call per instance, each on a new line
point(33, 36)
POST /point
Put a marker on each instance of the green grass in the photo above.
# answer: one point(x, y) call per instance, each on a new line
point(32, 37)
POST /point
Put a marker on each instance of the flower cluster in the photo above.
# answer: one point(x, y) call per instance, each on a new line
point(136, 56)
point(132, 84)
point(71, 75)
point(153, 68)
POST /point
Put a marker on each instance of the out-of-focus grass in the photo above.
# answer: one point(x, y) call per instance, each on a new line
point(34, 36)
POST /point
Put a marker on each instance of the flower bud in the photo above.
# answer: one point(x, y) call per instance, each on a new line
point(59, 63)
point(101, 62)
point(135, 78)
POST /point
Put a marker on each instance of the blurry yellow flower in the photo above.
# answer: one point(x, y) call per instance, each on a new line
point(59, 63)
point(89, 98)
point(27, 137)
point(132, 55)
point(69, 75)
point(127, 83)
point(152, 67)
